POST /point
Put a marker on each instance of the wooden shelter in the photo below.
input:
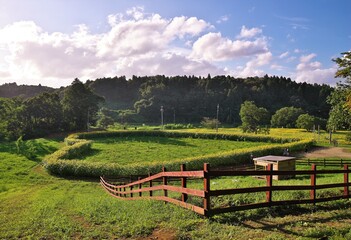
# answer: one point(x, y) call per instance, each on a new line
point(284, 163)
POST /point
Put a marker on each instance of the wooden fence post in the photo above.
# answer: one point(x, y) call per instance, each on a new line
point(346, 182)
point(124, 189)
point(183, 182)
point(269, 180)
point(131, 189)
point(150, 185)
point(313, 183)
point(207, 199)
point(164, 182)
point(324, 162)
point(140, 193)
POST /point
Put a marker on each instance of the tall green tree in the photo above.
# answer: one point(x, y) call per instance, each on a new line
point(305, 121)
point(42, 115)
point(344, 71)
point(340, 99)
point(286, 117)
point(11, 123)
point(252, 116)
point(80, 106)
point(340, 115)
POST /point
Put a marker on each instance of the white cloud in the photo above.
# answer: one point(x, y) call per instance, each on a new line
point(181, 26)
point(277, 67)
point(136, 12)
point(249, 33)
point(252, 67)
point(136, 43)
point(222, 19)
point(214, 47)
point(139, 43)
point(284, 55)
point(307, 58)
point(312, 71)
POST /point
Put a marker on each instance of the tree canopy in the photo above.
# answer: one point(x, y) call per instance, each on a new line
point(340, 98)
point(252, 116)
point(286, 117)
point(80, 105)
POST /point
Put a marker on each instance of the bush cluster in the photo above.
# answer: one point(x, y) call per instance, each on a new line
point(63, 162)
point(178, 126)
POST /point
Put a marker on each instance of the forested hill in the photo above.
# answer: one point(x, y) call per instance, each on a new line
point(189, 99)
point(10, 90)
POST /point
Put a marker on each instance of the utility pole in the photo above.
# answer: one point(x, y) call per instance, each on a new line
point(162, 117)
point(88, 124)
point(217, 118)
point(173, 115)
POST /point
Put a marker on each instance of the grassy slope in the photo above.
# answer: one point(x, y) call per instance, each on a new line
point(145, 149)
point(36, 205)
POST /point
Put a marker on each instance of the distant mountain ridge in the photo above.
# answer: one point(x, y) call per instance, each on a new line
point(10, 90)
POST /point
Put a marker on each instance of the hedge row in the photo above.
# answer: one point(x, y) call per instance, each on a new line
point(57, 163)
point(71, 151)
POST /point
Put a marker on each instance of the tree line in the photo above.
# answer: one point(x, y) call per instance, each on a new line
point(271, 100)
point(188, 99)
point(71, 109)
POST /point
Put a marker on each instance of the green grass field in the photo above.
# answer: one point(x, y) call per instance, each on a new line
point(128, 150)
point(36, 205)
point(322, 139)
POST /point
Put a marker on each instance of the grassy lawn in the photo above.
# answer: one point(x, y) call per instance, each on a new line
point(322, 139)
point(36, 205)
point(158, 149)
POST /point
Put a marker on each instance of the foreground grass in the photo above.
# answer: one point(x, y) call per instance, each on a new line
point(35, 205)
point(126, 150)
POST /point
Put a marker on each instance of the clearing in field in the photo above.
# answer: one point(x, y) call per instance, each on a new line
point(138, 149)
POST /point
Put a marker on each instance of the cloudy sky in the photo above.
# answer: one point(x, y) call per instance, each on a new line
point(51, 42)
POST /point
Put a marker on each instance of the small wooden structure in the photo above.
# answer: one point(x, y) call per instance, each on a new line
point(281, 163)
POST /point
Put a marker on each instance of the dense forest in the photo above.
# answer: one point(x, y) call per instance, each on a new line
point(189, 99)
point(36, 110)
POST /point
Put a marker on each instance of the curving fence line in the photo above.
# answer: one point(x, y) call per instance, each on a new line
point(157, 187)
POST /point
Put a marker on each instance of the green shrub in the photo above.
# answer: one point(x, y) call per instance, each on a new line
point(348, 137)
point(178, 126)
point(26, 148)
point(210, 123)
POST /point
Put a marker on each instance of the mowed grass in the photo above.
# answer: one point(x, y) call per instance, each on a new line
point(126, 150)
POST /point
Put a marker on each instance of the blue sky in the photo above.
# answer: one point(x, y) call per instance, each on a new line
point(52, 42)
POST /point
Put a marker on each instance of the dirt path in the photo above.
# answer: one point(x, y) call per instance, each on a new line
point(327, 152)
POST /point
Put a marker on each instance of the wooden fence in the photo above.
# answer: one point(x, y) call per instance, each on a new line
point(145, 188)
point(324, 162)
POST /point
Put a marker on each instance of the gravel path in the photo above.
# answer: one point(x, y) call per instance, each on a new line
point(327, 152)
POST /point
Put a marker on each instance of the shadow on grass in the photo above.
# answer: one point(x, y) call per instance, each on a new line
point(33, 150)
point(263, 218)
point(9, 147)
point(88, 153)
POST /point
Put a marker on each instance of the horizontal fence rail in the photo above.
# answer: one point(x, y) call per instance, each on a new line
point(158, 187)
point(324, 162)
